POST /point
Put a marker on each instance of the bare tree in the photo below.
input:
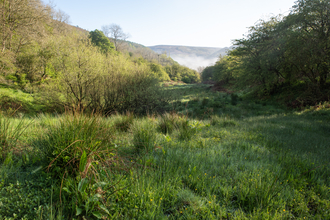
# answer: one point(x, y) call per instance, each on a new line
point(116, 35)
point(200, 69)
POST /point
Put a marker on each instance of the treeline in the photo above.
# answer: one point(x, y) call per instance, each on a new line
point(67, 68)
point(286, 54)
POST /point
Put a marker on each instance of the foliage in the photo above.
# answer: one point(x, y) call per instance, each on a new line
point(26, 200)
point(100, 40)
point(182, 73)
point(84, 78)
point(26, 27)
point(85, 198)
point(282, 52)
point(225, 70)
point(159, 72)
point(11, 101)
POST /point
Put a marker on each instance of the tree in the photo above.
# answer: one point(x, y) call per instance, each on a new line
point(76, 68)
point(159, 72)
point(309, 27)
point(200, 69)
point(116, 34)
point(100, 40)
point(21, 23)
point(262, 54)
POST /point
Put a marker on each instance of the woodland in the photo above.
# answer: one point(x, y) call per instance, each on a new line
point(286, 55)
point(93, 126)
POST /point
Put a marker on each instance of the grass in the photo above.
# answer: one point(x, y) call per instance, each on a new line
point(231, 160)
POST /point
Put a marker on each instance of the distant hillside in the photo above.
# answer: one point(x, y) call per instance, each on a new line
point(192, 57)
point(137, 50)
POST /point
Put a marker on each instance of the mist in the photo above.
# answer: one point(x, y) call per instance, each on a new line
point(193, 62)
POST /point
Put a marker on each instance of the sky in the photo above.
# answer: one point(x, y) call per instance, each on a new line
point(201, 23)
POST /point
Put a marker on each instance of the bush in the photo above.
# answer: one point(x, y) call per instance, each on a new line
point(90, 80)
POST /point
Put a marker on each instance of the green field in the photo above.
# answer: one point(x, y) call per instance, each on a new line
point(212, 156)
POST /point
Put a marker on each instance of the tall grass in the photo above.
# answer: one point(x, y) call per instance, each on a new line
point(264, 165)
point(9, 134)
point(75, 137)
point(144, 135)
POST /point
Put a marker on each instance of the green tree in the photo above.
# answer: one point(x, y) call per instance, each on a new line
point(261, 53)
point(308, 31)
point(159, 71)
point(100, 40)
point(22, 22)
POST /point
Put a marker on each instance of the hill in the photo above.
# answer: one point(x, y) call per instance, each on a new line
point(136, 50)
point(192, 57)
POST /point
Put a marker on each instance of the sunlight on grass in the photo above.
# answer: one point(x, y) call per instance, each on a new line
point(249, 162)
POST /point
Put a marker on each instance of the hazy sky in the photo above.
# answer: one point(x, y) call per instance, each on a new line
point(209, 23)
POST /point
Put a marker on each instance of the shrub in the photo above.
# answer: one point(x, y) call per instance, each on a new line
point(90, 80)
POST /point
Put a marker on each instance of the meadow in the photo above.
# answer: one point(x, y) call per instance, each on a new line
point(211, 155)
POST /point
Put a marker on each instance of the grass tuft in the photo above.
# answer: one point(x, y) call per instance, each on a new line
point(144, 135)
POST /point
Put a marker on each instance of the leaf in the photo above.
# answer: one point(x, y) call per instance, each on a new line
point(99, 184)
point(95, 198)
point(36, 170)
point(103, 208)
point(82, 185)
point(79, 211)
point(66, 190)
point(83, 162)
point(97, 214)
